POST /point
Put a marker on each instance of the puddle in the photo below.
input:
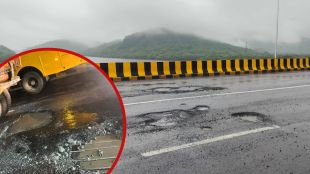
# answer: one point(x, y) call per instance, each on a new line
point(158, 121)
point(30, 121)
point(74, 120)
point(50, 123)
point(184, 89)
point(251, 116)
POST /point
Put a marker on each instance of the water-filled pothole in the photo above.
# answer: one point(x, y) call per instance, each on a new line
point(251, 116)
point(30, 121)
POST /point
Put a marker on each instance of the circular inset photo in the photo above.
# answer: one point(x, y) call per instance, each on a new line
point(59, 113)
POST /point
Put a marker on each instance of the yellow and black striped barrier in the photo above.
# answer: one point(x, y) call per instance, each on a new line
point(173, 69)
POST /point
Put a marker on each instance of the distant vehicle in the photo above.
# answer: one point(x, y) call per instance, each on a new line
point(36, 68)
point(7, 79)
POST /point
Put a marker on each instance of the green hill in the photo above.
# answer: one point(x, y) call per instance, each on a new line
point(65, 44)
point(165, 44)
point(5, 53)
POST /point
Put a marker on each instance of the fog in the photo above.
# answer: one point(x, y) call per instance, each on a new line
point(29, 22)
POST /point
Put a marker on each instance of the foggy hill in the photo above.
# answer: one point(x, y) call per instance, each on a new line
point(166, 44)
point(300, 48)
point(5, 52)
point(65, 44)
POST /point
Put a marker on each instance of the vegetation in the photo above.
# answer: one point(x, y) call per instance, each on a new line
point(5, 53)
point(164, 44)
point(169, 45)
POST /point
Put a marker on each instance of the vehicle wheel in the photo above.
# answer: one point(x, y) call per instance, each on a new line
point(7, 96)
point(4, 108)
point(33, 82)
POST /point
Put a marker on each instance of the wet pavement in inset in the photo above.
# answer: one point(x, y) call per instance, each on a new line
point(40, 132)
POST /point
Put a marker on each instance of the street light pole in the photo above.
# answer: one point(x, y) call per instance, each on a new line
point(277, 30)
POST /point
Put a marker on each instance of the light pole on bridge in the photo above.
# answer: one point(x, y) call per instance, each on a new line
point(277, 30)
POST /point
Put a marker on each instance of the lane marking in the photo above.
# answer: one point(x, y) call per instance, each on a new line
point(219, 94)
point(207, 141)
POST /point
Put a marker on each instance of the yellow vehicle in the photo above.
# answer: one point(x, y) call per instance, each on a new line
point(36, 68)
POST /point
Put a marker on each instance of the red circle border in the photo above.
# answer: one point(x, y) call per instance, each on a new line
point(104, 74)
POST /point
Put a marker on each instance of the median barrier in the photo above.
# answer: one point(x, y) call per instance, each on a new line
point(119, 71)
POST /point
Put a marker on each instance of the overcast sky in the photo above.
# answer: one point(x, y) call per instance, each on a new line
point(24, 23)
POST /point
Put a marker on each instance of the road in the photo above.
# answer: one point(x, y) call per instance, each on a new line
point(228, 124)
point(52, 132)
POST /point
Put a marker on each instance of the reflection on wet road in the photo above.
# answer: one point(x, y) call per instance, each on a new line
point(41, 131)
point(77, 120)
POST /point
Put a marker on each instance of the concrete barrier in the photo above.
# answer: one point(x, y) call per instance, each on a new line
point(174, 69)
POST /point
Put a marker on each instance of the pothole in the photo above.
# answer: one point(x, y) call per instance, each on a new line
point(251, 116)
point(206, 127)
point(30, 121)
point(184, 89)
point(158, 121)
point(164, 122)
point(153, 84)
point(202, 108)
point(170, 90)
point(165, 119)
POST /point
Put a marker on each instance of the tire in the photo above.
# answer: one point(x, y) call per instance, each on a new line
point(33, 83)
point(4, 108)
point(8, 98)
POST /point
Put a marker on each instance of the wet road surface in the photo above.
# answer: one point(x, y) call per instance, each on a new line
point(50, 132)
point(228, 124)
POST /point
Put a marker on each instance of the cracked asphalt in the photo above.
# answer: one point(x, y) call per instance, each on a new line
point(206, 124)
point(41, 131)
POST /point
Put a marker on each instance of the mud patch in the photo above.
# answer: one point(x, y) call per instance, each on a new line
point(184, 89)
point(159, 121)
point(30, 121)
point(251, 116)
